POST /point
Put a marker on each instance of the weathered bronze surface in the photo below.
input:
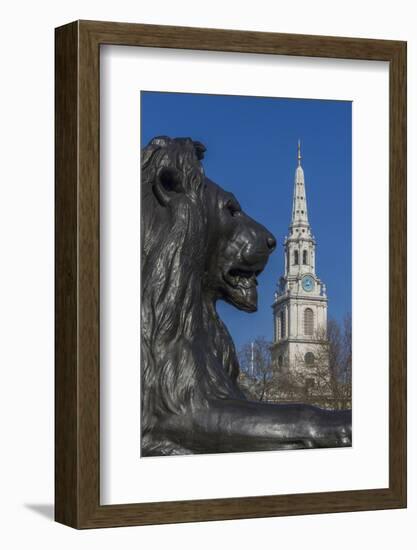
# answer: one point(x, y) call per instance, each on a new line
point(198, 246)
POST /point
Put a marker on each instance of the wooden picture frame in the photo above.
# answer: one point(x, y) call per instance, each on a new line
point(77, 382)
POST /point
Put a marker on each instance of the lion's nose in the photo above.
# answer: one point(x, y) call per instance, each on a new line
point(271, 242)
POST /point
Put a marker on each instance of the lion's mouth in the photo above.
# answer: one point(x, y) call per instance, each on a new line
point(241, 287)
point(242, 278)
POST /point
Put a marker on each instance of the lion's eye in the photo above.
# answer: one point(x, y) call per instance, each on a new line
point(233, 208)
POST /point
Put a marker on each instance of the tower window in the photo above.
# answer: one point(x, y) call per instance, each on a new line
point(280, 361)
point(295, 257)
point(302, 211)
point(308, 322)
point(309, 358)
point(304, 256)
point(282, 323)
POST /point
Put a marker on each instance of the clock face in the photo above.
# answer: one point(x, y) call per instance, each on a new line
point(308, 283)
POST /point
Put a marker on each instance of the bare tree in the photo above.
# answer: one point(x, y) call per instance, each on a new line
point(324, 381)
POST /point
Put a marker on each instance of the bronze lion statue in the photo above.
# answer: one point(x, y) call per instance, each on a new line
point(198, 246)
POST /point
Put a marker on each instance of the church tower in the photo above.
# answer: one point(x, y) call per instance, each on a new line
point(300, 306)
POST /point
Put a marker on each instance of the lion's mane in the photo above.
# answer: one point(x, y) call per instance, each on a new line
point(188, 356)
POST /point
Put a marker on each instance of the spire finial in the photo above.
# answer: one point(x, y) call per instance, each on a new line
point(299, 153)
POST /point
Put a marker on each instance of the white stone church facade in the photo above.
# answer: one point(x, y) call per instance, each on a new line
point(300, 305)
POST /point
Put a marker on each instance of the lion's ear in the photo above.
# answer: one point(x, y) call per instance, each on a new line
point(167, 184)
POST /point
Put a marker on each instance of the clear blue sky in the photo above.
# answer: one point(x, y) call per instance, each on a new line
point(251, 150)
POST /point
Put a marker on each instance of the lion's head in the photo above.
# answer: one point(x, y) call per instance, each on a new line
point(238, 249)
point(198, 246)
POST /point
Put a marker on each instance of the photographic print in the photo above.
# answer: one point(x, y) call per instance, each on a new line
point(246, 326)
point(207, 222)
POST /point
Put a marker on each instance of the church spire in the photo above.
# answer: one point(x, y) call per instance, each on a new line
point(299, 208)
